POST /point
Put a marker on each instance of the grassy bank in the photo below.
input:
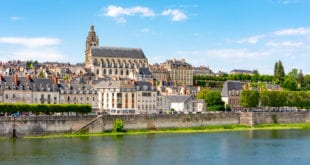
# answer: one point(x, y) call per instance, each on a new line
point(217, 128)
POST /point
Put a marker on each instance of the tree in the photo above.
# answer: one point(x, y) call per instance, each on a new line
point(213, 97)
point(118, 125)
point(202, 93)
point(249, 98)
point(300, 79)
point(279, 73)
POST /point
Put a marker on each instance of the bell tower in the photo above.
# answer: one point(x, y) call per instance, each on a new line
point(92, 40)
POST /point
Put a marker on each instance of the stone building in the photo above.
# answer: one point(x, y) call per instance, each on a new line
point(29, 90)
point(111, 61)
point(231, 93)
point(117, 97)
point(78, 94)
point(146, 98)
point(179, 71)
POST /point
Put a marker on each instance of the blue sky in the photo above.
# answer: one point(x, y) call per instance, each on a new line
point(221, 34)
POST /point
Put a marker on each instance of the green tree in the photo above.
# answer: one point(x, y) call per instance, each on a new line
point(279, 73)
point(202, 93)
point(249, 98)
point(118, 125)
point(300, 79)
point(213, 97)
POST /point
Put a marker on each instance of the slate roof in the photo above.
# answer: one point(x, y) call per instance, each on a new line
point(35, 84)
point(229, 86)
point(144, 86)
point(145, 71)
point(117, 52)
point(241, 71)
point(178, 98)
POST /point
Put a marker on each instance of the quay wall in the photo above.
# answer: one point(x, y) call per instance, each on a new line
point(47, 125)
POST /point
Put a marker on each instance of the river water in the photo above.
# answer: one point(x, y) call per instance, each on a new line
point(240, 147)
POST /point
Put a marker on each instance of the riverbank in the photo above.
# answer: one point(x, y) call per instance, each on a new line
point(201, 129)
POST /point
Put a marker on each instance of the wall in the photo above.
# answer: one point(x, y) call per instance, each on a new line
point(45, 125)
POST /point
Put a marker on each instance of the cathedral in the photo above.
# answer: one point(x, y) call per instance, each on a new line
point(112, 61)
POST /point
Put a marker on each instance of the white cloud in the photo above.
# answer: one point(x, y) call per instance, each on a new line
point(251, 40)
point(176, 15)
point(294, 31)
point(41, 49)
point(119, 13)
point(30, 42)
point(16, 18)
point(284, 44)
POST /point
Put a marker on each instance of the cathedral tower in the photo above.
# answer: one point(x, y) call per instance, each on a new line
point(91, 41)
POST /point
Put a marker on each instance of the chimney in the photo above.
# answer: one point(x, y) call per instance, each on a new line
point(183, 60)
point(174, 60)
point(28, 77)
point(35, 71)
point(16, 79)
point(0, 77)
point(55, 80)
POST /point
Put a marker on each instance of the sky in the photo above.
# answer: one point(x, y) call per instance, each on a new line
point(222, 34)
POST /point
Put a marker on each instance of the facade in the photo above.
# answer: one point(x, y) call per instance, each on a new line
point(231, 94)
point(241, 71)
point(202, 71)
point(146, 98)
point(117, 97)
point(179, 71)
point(112, 61)
point(163, 104)
point(78, 94)
point(181, 103)
point(29, 90)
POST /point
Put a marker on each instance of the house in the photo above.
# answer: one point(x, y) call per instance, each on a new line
point(181, 103)
point(231, 94)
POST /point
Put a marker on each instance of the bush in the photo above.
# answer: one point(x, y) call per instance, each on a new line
point(118, 125)
point(46, 108)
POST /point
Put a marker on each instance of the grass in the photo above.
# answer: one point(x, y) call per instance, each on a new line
point(211, 128)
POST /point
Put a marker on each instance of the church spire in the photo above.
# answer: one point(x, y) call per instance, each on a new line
point(92, 40)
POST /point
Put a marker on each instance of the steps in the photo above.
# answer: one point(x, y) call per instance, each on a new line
point(87, 125)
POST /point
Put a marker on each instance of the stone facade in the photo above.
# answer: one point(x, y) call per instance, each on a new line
point(112, 61)
point(179, 71)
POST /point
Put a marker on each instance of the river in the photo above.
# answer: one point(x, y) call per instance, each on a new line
point(240, 147)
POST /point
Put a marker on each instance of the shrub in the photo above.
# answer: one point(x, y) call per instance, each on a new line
point(118, 125)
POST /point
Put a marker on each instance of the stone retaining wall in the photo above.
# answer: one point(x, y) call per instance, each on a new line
point(45, 125)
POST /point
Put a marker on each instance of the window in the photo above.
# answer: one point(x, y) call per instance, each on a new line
point(6, 96)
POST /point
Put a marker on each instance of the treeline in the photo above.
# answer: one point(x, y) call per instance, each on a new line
point(217, 81)
point(251, 99)
point(45, 108)
point(240, 77)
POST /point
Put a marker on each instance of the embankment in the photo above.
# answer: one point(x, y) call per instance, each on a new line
point(47, 125)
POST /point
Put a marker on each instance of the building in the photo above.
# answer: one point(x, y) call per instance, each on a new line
point(163, 104)
point(117, 97)
point(146, 98)
point(231, 94)
point(202, 71)
point(111, 61)
point(241, 71)
point(29, 90)
point(181, 104)
point(179, 71)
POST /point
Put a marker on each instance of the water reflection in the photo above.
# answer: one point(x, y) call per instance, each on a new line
point(257, 147)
